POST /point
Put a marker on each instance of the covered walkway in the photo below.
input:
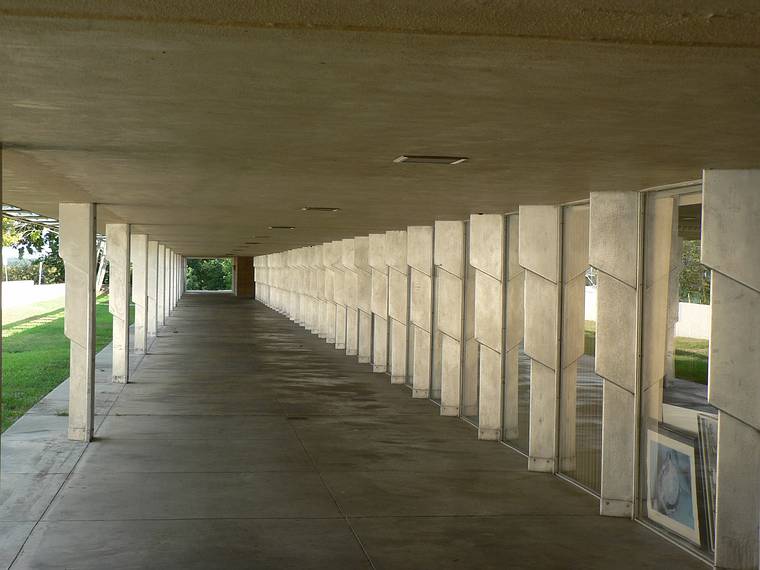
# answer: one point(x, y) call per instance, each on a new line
point(245, 442)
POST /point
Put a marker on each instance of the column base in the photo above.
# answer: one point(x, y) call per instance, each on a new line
point(541, 465)
point(489, 434)
point(80, 434)
point(616, 508)
point(452, 411)
point(379, 368)
point(120, 379)
point(398, 379)
point(420, 393)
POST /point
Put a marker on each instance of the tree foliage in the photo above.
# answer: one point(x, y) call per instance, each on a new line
point(209, 274)
point(694, 283)
point(33, 239)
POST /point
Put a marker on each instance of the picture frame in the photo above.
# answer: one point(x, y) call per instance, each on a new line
point(673, 483)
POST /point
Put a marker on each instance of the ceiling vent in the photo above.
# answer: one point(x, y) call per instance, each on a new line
point(424, 159)
point(282, 227)
point(253, 243)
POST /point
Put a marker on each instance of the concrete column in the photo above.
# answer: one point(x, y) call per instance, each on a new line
point(614, 234)
point(320, 324)
point(487, 252)
point(77, 234)
point(449, 307)
point(420, 257)
point(339, 294)
point(167, 283)
point(398, 303)
point(118, 253)
point(244, 277)
point(730, 232)
point(363, 297)
point(350, 293)
point(379, 269)
point(330, 256)
point(152, 289)
point(139, 257)
point(540, 257)
point(161, 285)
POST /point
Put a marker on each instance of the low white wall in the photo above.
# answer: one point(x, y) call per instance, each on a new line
point(693, 320)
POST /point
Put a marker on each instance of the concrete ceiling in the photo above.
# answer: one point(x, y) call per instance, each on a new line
point(204, 124)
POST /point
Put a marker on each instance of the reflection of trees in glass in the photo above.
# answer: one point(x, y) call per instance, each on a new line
point(209, 274)
point(694, 283)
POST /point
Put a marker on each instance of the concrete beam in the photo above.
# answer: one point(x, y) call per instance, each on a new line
point(77, 235)
point(118, 254)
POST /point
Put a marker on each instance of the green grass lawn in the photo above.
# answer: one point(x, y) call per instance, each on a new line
point(36, 357)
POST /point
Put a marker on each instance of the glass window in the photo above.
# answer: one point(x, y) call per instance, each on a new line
point(678, 443)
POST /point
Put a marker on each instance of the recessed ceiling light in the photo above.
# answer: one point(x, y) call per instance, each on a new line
point(282, 227)
point(253, 243)
point(319, 209)
point(424, 159)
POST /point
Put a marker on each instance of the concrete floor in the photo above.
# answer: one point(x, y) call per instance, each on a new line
point(245, 442)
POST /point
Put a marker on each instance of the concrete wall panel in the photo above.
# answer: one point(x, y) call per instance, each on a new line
point(541, 319)
point(420, 248)
point(449, 247)
point(489, 314)
point(486, 244)
point(539, 236)
point(615, 215)
point(449, 304)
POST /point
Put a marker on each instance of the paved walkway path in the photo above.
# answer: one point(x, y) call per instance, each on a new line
point(245, 442)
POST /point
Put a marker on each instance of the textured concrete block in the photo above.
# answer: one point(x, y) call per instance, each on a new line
point(421, 365)
point(451, 376)
point(543, 402)
point(613, 234)
point(365, 337)
point(489, 311)
point(730, 221)
point(347, 253)
point(449, 304)
point(364, 291)
point(352, 331)
point(377, 252)
point(616, 332)
point(541, 319)
point(398, 293)
point(420, 248)
point(618, 443)
point(735, 350)
point(489, 401)
point(395, 250)
point(350, 288)
point(420, 302)
point(512, 246)
point(487, 244)
point(449, 247)
point(539, 239)
point(379, 344)
point(380, 292)
point(738, 495)
point(397, 356)
point(361, 252)
point(575, 224)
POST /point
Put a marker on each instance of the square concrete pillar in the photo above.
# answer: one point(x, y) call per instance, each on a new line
point(152, 289)
point(730, 237)
point(161, 285)
point(244, 277)
point(449, 257)
point(339, 293)
point(167, 283)
point(539, 237)
point(487, 252)
point(420, 258)
point(139, 257)
point(379, 271)
point(363, 297)
point(77, 236)
point(614, 234)
point(398, 303)
point(330, 257)
point(350, 292)
point(118, 253)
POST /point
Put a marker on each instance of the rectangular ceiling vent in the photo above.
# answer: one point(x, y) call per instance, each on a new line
point(253, 243)
point(319, 209)
point(426, 159)
point(282, 227)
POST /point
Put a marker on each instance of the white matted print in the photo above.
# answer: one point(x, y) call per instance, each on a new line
point(672, 485)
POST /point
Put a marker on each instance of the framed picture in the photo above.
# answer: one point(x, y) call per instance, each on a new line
point(672, 481)
point(708, 447)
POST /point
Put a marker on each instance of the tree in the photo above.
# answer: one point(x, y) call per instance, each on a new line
point(694, 282)
point(209, 274)
point(35, 239)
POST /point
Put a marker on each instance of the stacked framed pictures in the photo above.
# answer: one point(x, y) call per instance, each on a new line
point(680, 477)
